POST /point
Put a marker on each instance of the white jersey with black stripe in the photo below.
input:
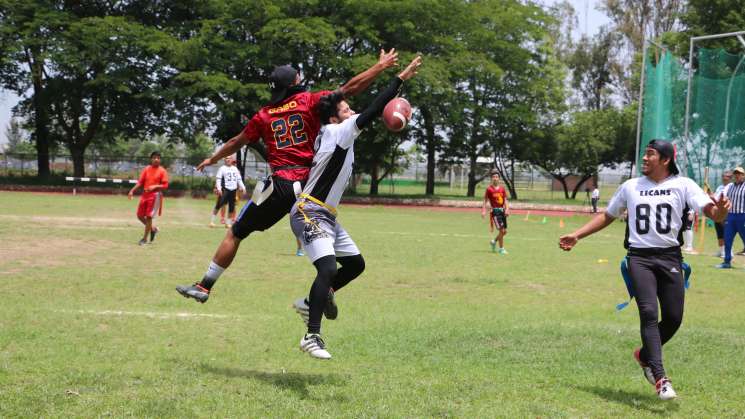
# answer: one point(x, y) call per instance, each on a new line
point(736, 194)
point(332, 162)
point(656, 210)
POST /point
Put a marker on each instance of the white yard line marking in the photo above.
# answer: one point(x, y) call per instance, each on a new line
point(479, 236)
point(149, 314)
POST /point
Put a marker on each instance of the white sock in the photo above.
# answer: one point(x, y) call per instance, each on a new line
point(688, 239)
point(214, 219)
point(214, 271)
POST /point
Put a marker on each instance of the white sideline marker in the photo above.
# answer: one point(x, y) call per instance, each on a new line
point(99, 180)
point(150, 314)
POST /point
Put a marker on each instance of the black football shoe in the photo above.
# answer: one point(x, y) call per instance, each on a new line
point(331, 311)
point(195, 291)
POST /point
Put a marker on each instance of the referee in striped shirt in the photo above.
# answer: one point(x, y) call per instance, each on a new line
point(735, 224)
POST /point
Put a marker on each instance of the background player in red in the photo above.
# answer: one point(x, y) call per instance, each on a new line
point(153, 181)
point(496, 196)
point(288, 126)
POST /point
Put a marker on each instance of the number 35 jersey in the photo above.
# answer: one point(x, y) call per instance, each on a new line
point(289, 130)
point(656, 210)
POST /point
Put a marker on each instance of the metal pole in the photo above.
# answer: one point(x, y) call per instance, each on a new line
point(688, 106)
point(729, 93)
point(641, 107)
point(720, 35)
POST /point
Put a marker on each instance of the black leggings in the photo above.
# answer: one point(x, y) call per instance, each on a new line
point(329, 277)
point(657, 277)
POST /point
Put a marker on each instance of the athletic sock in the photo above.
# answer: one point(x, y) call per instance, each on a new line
point(210, 277)
point(214, 219)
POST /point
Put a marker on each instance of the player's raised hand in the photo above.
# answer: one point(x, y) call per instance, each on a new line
point(567, 241)
point(203, 164)
point(411, 70)
point(388, 59)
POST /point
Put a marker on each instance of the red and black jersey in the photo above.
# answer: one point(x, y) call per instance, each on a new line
point(289, 130)
point(496, 195)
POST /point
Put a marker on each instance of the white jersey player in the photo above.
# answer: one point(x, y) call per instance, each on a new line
point(227, 183)
point(656, 204)
point(313, 217)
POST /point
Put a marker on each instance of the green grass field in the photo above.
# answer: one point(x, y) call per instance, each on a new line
point(437, 326)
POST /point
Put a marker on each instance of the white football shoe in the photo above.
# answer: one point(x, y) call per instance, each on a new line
point(314, 346)
point(665, 389)
point(301, 307)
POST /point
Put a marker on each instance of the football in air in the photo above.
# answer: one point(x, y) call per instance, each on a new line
point(397, 114)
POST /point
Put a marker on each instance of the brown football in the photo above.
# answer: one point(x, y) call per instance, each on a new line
point(397, 114)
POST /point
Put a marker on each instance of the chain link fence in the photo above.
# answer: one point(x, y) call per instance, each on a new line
point(451, 180)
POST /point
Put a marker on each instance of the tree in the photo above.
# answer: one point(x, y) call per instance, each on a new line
point(708, 17)
point(18, 142)
point(594, 68)
point(28, 31)
point(94, 69)
point(579, 147)
point(105, 74)
point(637, 21)
point(507, 82)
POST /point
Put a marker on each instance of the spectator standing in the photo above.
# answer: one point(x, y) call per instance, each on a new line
point(594, 198)
point(735, 223)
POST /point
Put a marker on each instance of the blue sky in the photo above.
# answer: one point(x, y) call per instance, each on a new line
point(594, 19)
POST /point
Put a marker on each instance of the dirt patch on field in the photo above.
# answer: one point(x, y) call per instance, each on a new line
point(19, 254)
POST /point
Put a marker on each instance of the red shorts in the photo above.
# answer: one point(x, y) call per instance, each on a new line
point(151, 204)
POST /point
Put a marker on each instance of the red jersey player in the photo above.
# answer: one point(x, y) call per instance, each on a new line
point(288, 127)
point(497, 198)
point(153, 181)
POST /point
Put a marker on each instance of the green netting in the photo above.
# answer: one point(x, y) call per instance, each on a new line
point(717, 109)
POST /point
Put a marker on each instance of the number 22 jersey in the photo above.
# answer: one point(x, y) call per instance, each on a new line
point(289, 130)
point(656, 210)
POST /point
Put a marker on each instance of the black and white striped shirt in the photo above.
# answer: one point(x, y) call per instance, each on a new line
point(736, 194)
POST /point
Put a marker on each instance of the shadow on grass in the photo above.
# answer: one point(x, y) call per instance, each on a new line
point(293, 381)
point(647, 402)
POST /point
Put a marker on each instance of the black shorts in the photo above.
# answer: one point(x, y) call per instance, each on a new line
point(499, 218)
point(261, 217)
point(227, 197)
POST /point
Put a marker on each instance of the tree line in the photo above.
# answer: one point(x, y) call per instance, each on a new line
point(503, 78)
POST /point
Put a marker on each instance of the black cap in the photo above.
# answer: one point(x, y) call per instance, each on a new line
point(280, 80)
point(667, 151)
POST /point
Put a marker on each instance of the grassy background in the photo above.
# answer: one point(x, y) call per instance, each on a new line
point(437, 326)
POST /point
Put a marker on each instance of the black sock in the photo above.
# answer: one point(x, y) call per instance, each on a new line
point(325, 270)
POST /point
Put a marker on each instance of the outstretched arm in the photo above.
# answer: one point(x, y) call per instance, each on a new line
point(362, 81)
point(229, 148)
point(599, 222)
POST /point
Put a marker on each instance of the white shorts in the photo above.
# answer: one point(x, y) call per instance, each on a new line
point(320, 234)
